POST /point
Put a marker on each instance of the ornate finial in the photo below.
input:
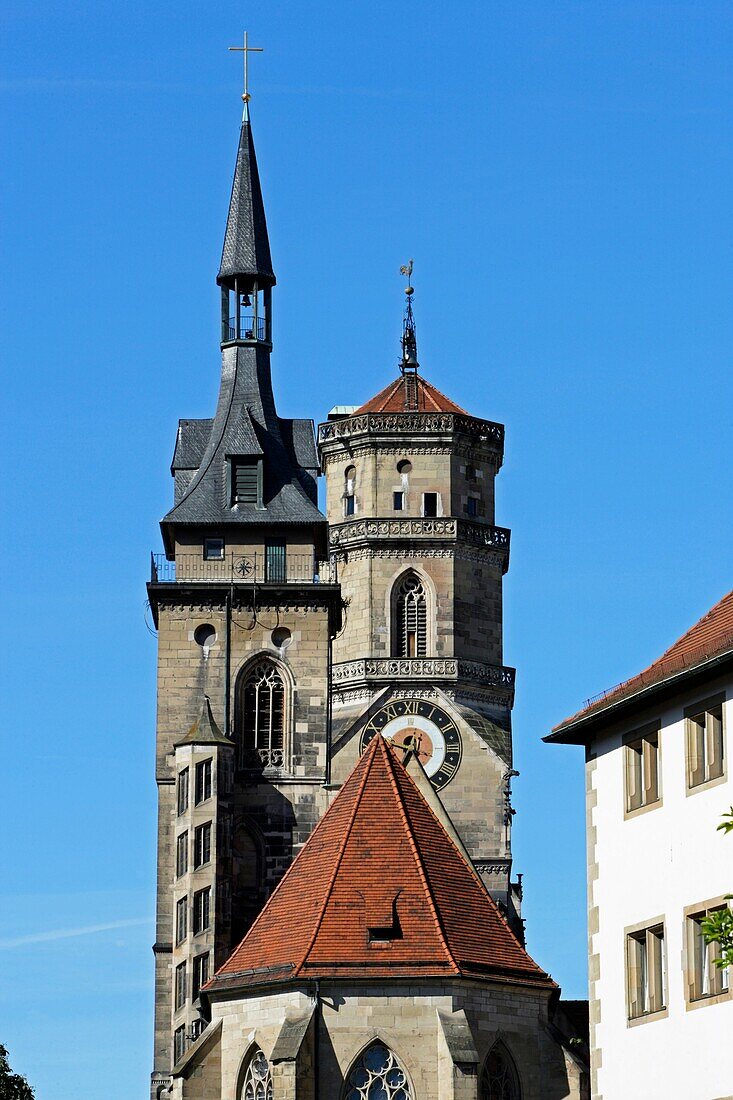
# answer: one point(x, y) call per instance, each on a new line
point(246, 49)
point(409, 364)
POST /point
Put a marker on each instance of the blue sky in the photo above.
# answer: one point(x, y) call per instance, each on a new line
point(561, 173)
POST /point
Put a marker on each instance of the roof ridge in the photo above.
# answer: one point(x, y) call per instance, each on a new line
point(337, 863)
point(418, 857)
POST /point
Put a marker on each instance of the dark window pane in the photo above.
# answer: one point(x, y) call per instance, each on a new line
point(275, 561)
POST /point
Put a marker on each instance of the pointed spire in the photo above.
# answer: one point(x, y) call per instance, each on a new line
point(246, 249)
point(409, 365)
point(204, 731)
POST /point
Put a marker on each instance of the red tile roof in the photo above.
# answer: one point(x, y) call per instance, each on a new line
point(379, 849)
point(393, 399)
point(711, 636)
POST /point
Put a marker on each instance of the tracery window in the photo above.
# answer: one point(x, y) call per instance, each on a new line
point(258, 1079)
point(499, 1080)
point(409, 635)
point(260, 715)
point(378, 1075)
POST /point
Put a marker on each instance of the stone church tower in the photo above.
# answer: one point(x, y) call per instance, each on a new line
point(342, 669)
point(410, 505)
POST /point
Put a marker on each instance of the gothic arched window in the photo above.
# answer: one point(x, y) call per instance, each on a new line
point(377, 1074)
point(499, 1079)
point(258, 1079)
point(410, 618)
point(260, 720)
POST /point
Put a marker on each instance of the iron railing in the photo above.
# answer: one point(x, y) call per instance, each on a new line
point(248, 326)
point(237, 568)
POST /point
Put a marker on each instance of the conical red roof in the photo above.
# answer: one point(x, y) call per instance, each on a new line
point(379, 890)
point(393, 398)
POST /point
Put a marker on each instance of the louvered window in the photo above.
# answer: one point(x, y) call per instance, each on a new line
point(245, 482)
point(410, 618)
point(261, 716)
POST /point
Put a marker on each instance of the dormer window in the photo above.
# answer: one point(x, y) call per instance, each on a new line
point(245, 481)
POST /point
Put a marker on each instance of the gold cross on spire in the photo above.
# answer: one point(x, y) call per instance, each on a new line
point(246, 49)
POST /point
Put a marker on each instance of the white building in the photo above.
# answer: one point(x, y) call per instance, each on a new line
point(658, 780)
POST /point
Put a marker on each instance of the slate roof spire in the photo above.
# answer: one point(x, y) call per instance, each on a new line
point(246, 251)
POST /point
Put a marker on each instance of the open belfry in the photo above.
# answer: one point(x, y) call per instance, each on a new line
point(336, 914)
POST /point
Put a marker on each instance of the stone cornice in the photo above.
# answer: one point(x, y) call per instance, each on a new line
point(419, 670)
point(359, 531)
point(484, 432)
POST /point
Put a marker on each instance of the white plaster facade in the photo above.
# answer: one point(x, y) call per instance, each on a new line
point(652, 863)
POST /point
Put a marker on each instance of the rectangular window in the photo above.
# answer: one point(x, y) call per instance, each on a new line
point(704, 977)
point(180, 986)
point(213, 549)
point(641, 752)
point(182, 791)
point(200, 973)
point(181, 919)
point(430, 504)
point(398, 501)
point(705, 743)
point(202, 845)
point(203, 781)
point(349, 505)
point(472, 506)
point(245, 477)
point(179, 1043)
point(645, 971)
point(275, 561)
point(201, 910)
point(182, 854)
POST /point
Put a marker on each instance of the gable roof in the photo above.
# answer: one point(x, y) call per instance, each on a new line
point(711, 637)
point(394, 398)
point(379, 858)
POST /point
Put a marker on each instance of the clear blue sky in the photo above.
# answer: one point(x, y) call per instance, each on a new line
point(561, 173)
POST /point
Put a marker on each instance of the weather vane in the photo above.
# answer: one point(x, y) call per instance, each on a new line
point(246, 49)
point(409, 339)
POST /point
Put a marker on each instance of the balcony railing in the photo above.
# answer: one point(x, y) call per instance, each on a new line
point(423, 668)
point(248, 326)
point(236, 568)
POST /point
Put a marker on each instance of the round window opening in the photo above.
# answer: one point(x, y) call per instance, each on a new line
point(404, 467)
point(281, 637)
point(204, 635)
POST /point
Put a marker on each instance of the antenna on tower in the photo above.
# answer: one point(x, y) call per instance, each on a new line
point(409, 365)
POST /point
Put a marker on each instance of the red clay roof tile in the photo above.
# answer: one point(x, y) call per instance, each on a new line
point(378, 850)
point(710, 636)
point(393, 399)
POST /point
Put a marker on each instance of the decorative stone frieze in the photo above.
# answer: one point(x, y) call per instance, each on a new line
point(423, 668)
point(412, 423)
point(479, 534)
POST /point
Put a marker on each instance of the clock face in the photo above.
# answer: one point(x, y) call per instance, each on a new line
point(420, 726)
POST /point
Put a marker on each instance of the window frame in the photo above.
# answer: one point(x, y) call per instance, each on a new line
point(207, 552)
point(196, 978)
point(250, 463)
point(642, 755)
point(202, 845)
point(646, 944)
point(179, 1043)
point(720, 988)
point(398, 500)
point(203, 785)
point(182, 791)
point(404, 603)
point(699, 761)
point(182, 854)
point(180, 987)
point(262, 673)
point(181, 919)
point(425, 513)
point(201, 911)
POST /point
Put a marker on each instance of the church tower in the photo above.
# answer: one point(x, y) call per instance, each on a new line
point(245, 606)
point(410, 504)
